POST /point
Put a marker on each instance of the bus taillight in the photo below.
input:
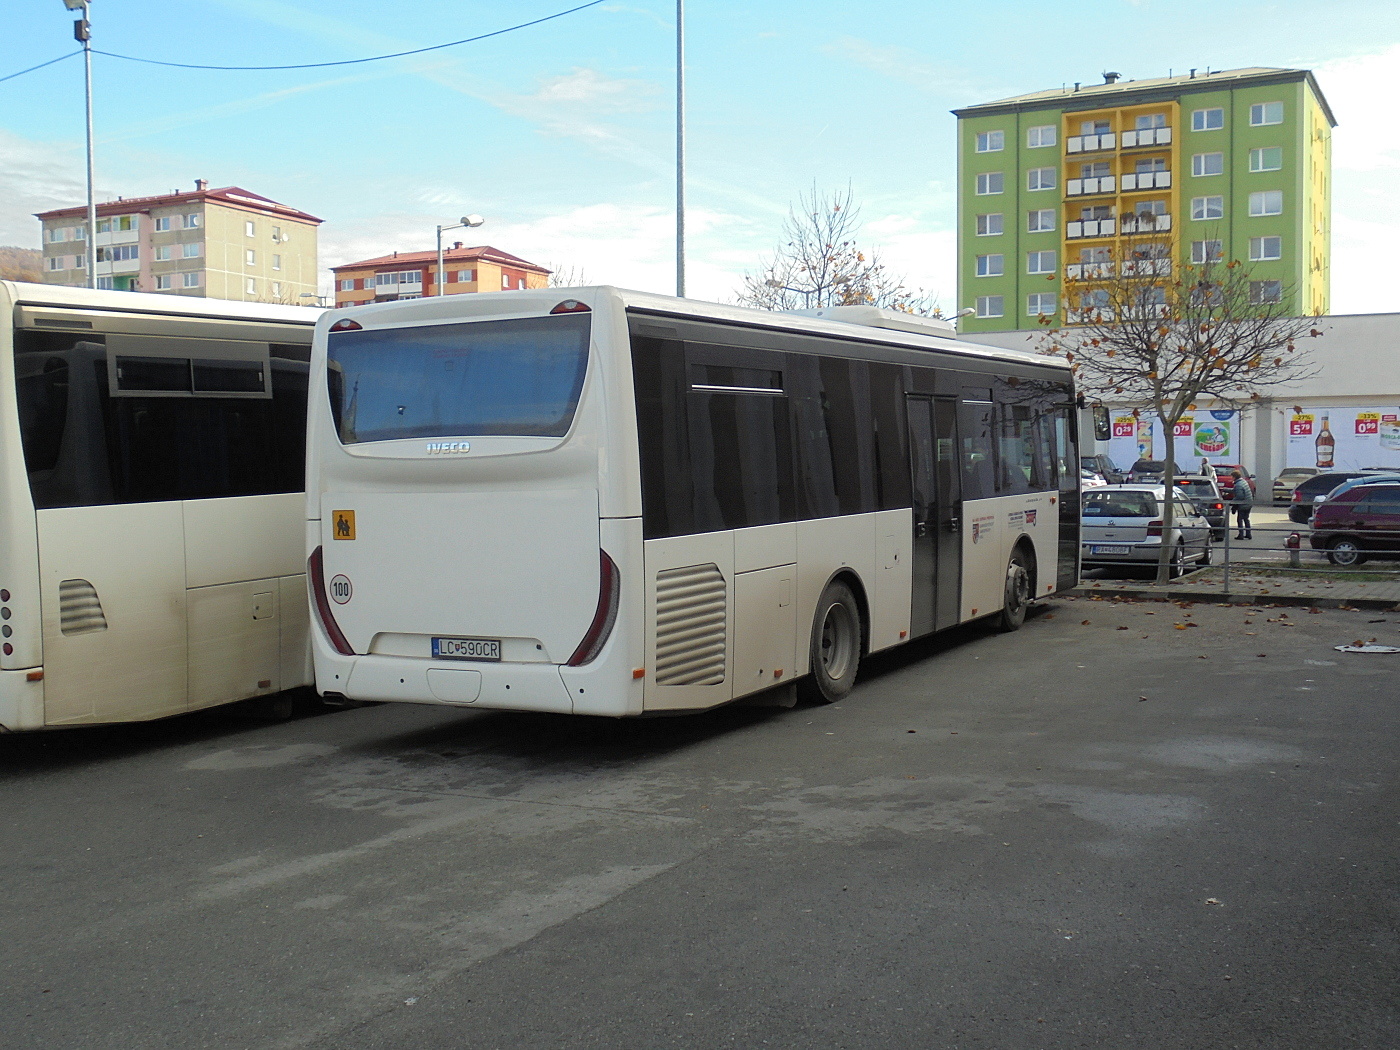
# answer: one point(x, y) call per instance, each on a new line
point(345, 324)
point(572, 306)
point(316, 570)
point(609, 596)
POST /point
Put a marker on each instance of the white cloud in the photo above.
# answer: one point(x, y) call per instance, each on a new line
point(906, 66)
point(35, 177)
point(588, 88)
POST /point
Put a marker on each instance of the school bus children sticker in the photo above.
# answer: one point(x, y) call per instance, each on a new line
point(343, 524)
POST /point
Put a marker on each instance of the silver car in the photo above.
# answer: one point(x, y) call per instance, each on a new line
point(1123, 525)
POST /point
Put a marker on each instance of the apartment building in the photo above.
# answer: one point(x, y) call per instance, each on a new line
point(226, 243)
point(1082, 181)
point(412, 275)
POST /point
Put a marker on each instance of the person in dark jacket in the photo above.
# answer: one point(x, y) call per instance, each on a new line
point(1242, 498)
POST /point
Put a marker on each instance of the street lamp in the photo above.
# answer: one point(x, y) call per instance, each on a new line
point(468, 221)
point(82, 32)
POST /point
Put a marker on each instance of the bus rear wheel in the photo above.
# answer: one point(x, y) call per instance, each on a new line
point(834, 653)
point(1017, 597)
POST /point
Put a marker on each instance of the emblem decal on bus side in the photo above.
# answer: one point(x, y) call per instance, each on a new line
point(447, 448)
point(343, 524)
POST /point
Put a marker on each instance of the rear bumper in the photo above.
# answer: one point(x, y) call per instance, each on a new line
point(21, 700)
point(458, 683)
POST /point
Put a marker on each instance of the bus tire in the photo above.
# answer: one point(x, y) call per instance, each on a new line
point(834, 650)
point(1016, 597)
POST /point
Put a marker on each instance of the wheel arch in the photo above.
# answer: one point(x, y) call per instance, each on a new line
point(1027, 549)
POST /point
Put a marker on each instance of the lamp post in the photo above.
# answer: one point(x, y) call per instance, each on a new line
point(680, 149)
point(82, 32)
point(468, 221)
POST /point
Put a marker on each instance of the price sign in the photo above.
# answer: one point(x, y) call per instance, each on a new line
point(1184, 427)
point(1300, 426)
point(1124, 427)
point(1368, 422)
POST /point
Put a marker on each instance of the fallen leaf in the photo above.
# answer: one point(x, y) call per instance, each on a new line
point(1141, 698)
point(1262, 654)
point(1120, 628)
point(1083, 623)
point(1212, 900)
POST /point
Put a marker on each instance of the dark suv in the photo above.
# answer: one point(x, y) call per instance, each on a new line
point(1305, 495)
point(1205, 494)
point(1361, 522)
point(1104, 468)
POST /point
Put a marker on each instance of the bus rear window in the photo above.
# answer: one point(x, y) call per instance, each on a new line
point(519, 377)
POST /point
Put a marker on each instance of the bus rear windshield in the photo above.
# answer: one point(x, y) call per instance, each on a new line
point(519, 377)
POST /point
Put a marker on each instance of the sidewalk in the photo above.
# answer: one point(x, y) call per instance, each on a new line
point(1250, 584)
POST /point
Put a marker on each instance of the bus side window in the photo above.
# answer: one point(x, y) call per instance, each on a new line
point(978, 458)
point(59, 379)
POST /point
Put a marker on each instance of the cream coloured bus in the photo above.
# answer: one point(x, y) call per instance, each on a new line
point(151, 458)
point(614, 503)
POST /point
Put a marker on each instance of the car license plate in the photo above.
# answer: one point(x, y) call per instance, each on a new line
point(467, 648)
point(1109, 548)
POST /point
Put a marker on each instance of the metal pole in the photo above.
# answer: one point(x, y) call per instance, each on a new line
point(84, 33)
point(680, 148)
point(440, 287)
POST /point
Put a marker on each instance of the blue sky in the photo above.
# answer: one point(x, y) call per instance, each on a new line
point(561, 134)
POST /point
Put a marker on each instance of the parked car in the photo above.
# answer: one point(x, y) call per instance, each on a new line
point(1104, 468)
point(1289, 479)
point(1148, 470)
point(1204, 492)
point(1224, 473)
point(1123, 525)
point(1088, 479)
point(1360, 521)
point(1315, 489)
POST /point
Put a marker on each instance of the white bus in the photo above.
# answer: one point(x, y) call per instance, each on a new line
point(614, 503)
point(151, 464)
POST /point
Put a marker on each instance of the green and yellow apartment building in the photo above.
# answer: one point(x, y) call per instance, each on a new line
point(1060, 184)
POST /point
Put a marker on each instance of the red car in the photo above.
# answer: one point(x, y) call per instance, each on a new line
point(1227, 483)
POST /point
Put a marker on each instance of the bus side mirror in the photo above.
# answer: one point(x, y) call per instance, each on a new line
point(1101, 428)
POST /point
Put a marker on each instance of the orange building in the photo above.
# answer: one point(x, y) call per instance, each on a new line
point(412, 275)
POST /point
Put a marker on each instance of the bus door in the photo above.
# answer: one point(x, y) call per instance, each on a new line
point(937, 569)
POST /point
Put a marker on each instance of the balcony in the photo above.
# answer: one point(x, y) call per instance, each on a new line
point(1089, 271)
point(1147, 180)
point(1090, 228)
point(1147, 268)
point(1090, 143)
point(1089, 315)
point(1085, 187)
point(1147, 137)
point(1146, 223)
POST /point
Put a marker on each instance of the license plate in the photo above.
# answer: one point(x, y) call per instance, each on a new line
point(467, 648)
point(1109, 549)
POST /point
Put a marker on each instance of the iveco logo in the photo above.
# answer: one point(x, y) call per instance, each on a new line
point(448, 448)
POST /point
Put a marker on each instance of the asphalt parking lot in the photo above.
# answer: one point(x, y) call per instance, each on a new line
point(1128, 825)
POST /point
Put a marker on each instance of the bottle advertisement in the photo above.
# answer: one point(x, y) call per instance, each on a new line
point(1199, 435)
point(1344, 438)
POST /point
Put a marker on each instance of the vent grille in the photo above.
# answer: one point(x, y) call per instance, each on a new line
point(691, 613)
point(79, 608)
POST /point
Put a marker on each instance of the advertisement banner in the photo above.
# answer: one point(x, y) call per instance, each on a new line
point(1199, 435)
point(1344, 438)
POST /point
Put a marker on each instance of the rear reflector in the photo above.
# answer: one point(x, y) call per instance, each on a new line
point(609, 595)
point(315, 568)
point(571, 306)
point(346, 325)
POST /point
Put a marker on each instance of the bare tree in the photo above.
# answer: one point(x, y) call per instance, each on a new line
point(1157, 337)
point(566, 275)
point(820, 264)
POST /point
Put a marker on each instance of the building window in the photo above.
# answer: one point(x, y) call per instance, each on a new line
point(124, 223)
point(1040, 262)
point(119, 253)
point(1207, 207)
point(1206, 252)
point(1040, 179)
point(164, 282)
point(991, 265)
point(1096, 170)
point(989, 182)
point(1153, 208)
point(990, 141)
point(191, 250)
point(192, 221)
point(1267, 158)
point(276, 233)
point(1040, 304)
point(162, 223)
point(250, 228)
point(56, 262)
point(1263, 248)
point(1040, 220)
point(1266, 202)
point(190, 280)
point(505, 281)
point(104, 225)
point(1262, 113)
point(989, 225)
point(1041, 135)
point(277, 262)
point(80, 262)
point(105, 283)
point(1265, 291)
point(347, 286)
point(1148, 121)
point(250, 256)
point(250, 286)
point(990, 306)
point(1208, 164)
point(163, 252)
point(466, 276)
point(1145, 165)
point(1095, 256)
point(277, 289)
point(1094, 127)
point(1207, 120)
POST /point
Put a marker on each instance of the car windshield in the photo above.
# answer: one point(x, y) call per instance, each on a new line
point(1100, 504)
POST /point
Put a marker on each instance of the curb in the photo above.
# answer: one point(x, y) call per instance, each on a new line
point(1216, 597)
